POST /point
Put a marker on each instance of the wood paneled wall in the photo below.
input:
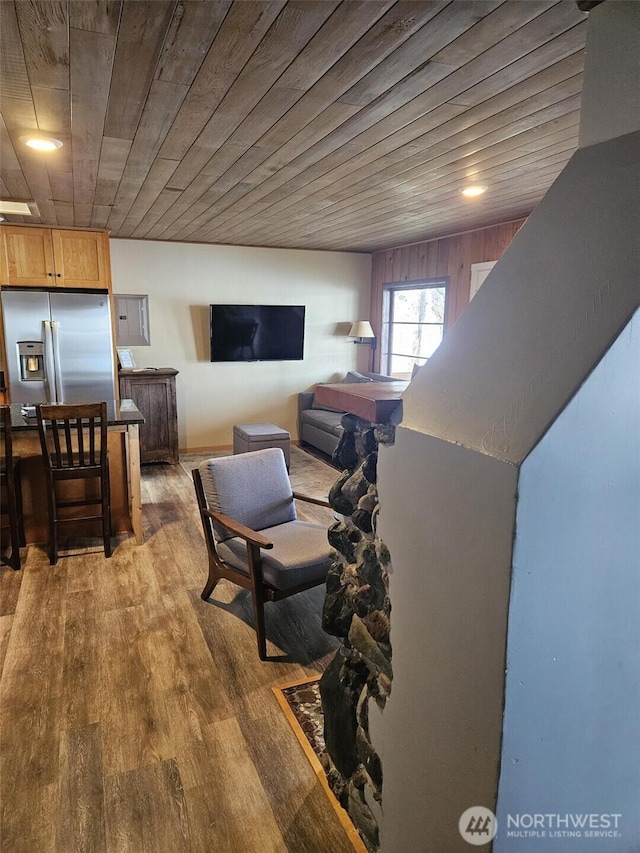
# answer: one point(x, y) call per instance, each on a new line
point(443, 256)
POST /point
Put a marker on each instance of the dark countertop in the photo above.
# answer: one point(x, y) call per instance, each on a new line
point(147, 371)
point(119, 413)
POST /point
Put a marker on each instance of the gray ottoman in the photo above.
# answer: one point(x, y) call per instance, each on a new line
point(248, 437)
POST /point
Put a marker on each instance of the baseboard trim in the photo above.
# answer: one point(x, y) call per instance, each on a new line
point(206, 448)
point(217, 447)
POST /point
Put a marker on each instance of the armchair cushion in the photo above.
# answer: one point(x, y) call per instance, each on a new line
point(252, 488)
point(300, 554)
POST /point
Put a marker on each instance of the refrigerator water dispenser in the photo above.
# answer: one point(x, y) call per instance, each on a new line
point(31, 355)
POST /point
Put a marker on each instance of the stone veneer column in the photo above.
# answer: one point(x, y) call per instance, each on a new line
point(357, 609)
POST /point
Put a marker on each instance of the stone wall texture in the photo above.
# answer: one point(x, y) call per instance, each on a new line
point(357, 609)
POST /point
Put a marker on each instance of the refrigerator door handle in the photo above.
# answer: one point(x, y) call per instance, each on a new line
point(49, 363)
point(56, 360)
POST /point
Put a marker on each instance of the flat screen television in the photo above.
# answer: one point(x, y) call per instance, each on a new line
point(257, 332)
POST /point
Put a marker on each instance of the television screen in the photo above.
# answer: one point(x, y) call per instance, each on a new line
point(257, 332)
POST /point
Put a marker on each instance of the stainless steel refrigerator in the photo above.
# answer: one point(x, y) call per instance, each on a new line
point(58, 346)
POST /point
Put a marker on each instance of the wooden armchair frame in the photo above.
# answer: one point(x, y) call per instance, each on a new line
point(260, 590)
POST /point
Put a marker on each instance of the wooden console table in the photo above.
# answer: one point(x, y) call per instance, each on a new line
point(372, 401)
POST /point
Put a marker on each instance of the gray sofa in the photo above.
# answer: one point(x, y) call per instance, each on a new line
point(320, 428)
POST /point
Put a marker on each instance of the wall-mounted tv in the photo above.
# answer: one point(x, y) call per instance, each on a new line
point(257, 332)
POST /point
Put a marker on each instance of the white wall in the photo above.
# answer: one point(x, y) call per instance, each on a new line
point(572, 712)
point(611, 101)
point(182, 280)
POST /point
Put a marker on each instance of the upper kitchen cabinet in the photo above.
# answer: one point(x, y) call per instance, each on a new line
point(82, 258)
point(45, 257)
point(27, 256)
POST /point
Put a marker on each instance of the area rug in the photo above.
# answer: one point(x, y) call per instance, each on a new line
point(300, 701)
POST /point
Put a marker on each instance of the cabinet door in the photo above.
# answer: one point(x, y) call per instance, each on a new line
point(156, 399)
point(28, 257)
point(81, 259)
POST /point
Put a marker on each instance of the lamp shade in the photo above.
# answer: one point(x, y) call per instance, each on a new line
point(361, 329)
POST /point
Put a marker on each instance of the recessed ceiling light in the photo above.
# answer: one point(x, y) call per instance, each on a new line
point(474, 190)
point(40, 142)
point(18, 208)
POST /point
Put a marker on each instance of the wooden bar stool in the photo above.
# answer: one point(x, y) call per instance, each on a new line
point(11, 489)
point(74, 447)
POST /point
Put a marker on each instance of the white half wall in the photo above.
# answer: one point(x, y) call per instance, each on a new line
point(572, 712)
point(446, 514)
point(611, 101)
point(182, 280)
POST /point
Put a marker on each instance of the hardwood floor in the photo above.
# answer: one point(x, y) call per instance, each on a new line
point(137, 717)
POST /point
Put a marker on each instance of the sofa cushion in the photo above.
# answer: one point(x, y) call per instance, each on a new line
point(382, 377)
point(323, 419)
point(354, 376)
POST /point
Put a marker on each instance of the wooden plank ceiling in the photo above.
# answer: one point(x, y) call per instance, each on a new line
point(308, 123)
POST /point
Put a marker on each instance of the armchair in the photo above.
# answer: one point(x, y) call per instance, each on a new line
point(253, 535)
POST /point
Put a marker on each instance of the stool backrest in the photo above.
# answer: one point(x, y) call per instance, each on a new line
point(6, 445)
point(10, 489)
point(73, 437)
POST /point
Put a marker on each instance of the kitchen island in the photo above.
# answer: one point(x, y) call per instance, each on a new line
point(123, 438)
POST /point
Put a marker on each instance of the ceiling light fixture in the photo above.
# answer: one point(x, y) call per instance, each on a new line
point(18, 208)
point(474, 190)
point(41, 143)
